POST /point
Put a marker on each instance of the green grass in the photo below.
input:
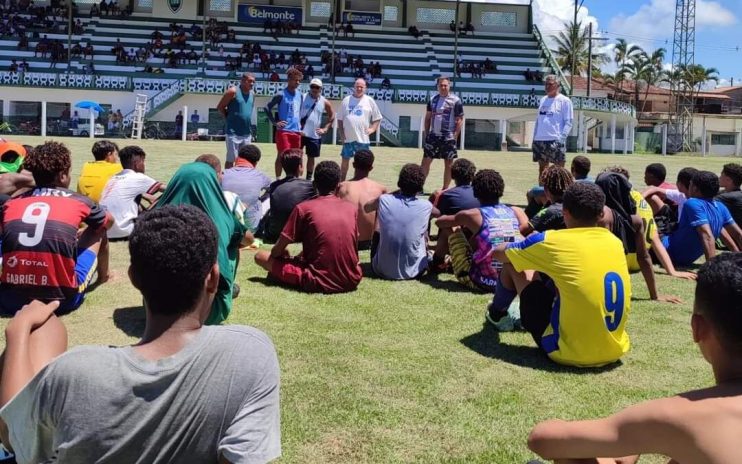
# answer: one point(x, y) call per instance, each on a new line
point(406, 371)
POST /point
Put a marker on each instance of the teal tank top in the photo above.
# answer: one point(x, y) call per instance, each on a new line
point(239, 114)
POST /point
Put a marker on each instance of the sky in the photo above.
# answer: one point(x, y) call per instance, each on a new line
point(650, 23)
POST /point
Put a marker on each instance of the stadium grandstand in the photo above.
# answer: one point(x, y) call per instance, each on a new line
point(181, 59)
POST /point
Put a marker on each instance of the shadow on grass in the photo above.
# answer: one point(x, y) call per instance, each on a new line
point(433, 280)
point(368, 272)
point(130, 320)
point(487, 343)
point(270, 282)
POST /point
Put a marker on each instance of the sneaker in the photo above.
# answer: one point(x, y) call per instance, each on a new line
point(503, 324)
point(235, 291)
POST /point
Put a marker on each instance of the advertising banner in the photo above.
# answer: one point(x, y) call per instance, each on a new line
point(362, 17)
point(257, 14)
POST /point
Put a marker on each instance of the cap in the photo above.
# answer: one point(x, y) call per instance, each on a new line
point(316, 81)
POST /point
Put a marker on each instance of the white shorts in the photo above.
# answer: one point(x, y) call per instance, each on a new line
point(234, 143)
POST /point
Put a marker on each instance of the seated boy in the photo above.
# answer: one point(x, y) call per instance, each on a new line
point(555, 180)
point(701, 223)
point(481, 229)
point(730, 180)
point(576, 305)
point(43, 259)
point(95, 174)
point(667, 203)
point(327, 228)
point(124, 192)
point(184, 393)
point(655, 175)
point(693, 427)
point(286, 193)
point(580, 169)
point(402, 223)
point(248, 182)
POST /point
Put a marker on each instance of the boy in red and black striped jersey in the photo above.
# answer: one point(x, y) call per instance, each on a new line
point(43, 258)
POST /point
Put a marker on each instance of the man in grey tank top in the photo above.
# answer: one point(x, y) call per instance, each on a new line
point(236, 106)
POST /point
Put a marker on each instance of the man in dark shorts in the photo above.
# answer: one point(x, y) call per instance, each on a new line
point(443, 120)
point(312, 129)
point(327, 228)
point(553, 124)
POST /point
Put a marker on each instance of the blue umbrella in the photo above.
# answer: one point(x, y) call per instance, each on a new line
point(90, 105)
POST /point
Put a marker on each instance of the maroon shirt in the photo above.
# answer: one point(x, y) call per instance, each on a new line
point(327, 228)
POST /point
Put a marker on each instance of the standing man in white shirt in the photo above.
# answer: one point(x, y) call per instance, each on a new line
point(358, 118)
point(553, 124)
point(313, 107)
point(443, 120)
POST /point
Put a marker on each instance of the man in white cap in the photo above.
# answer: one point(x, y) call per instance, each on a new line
point(313, 107)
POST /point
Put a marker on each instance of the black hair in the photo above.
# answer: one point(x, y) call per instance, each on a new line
point(10, 156)
point(127, 155)
point(488, 186)
point(584, 201)
point(618, 169)
point(250, 153)
point(556, 179)
point(707, 183)
point(719, 298)
point(102, 148)
point(326, 177)
point(47, 161)
point(734, 172)
point(462, 171)
point(363, 160)
point(291, 160)
point(172, 249)
point(686, 175)
point(658, 170)
point(411, 179)
point(581, 166)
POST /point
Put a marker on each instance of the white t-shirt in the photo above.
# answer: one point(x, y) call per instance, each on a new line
point(120, 198)
point(357, 115)
point(676, 197)
point(554, 119)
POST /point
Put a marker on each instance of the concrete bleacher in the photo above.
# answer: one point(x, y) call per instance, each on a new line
point(408, 62)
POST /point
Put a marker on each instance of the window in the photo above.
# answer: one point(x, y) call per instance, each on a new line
point(723, 139)
point(144, 4)
point(499, 19)
point(390, 13)
point(320, 9)
point(220, 5)
point(435, 15)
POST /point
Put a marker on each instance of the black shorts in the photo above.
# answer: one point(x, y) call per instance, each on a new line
point(552, 151)
point(312, 146)
point(666, 220)
point(439, 147)
point(536, 303)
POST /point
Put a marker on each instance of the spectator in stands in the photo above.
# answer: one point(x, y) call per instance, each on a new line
point(274, 76)
point(128, 192)
point(462, 28)
point(443, 121)
point(358, 118)
point(731, 197)
point(386, 83)
point(287, 119)
point(538, 75)
point(13, 66)
point(470, 27)
point(452, 26)
point(95, 174)
point(103, 7)
point(309, 72)
point(528, 74)
point(94, 10)
point(414, 31)
point(349, 30)
point(326, 227)
point(285, 194)
point(178, 124)
point(195, 119)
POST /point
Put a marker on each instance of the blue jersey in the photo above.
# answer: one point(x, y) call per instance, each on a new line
point(289, 109)
point(684, 245)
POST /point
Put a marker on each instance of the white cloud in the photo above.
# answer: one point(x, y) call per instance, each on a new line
point(550, 16)
point(654, 22)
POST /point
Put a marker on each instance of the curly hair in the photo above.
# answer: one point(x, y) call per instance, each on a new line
point(128, 153)
point(326, 177)
point(584, 201)
point(462, 171)
point(734, 172)
point(251, 153)
point(363, 160)
point(618, 169)
point(685, 176)
point(172, 250)
point(411, 179)
point(657, 170)
point(47, 161)
point(488, 187)
point(556, 179)
point(294, 73)
point(707, 183)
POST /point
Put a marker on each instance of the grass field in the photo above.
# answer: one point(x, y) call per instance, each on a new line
point(407, 371)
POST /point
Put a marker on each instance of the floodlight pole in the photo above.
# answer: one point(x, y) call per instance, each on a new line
point(203, 40)
point(456, 63)
point(333, 15)
point(69, 35)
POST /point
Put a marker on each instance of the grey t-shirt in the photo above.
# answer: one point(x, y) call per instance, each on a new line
point(219, 395)
point(403, 227)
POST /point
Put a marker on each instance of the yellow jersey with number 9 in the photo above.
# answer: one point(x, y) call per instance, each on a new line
point(645, 212)
point(588, 318)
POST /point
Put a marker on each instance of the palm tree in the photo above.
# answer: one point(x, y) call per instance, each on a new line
point(572, 45)
point(622, 52)
point(695, 75)
point(647, 70)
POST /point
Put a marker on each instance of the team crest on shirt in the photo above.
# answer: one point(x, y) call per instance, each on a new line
point(358, 112)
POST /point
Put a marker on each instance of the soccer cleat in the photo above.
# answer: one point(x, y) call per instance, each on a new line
point(503, 323)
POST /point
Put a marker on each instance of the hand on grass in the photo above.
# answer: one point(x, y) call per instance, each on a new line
point(684, 275)
point(668, 299)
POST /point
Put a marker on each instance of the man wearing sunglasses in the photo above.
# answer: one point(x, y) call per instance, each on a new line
point(553, 124)
point(313, 107)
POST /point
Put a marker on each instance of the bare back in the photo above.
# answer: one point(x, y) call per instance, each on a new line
point(360, 192)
